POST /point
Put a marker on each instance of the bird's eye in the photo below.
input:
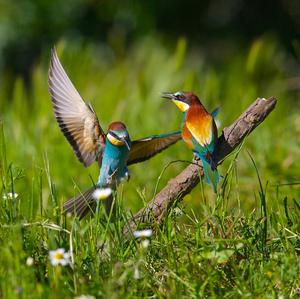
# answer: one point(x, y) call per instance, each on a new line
point(179, 95)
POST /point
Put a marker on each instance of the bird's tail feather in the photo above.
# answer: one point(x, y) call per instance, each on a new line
point(81, 204)
point(84, 203)
point(211, 174)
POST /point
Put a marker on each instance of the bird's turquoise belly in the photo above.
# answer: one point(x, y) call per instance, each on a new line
point(114, 166)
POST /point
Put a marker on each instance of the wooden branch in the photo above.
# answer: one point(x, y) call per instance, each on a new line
point(183, 183)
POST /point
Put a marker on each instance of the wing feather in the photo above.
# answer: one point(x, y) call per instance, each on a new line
point(76, 119)
point(144, 149)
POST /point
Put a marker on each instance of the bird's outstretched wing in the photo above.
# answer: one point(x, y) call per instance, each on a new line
point(76, 119)
point(144, 149)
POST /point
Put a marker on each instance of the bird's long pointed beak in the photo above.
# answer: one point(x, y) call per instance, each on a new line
point(121, 139)
point(181, 104)
point(168, 96)
point(126, 143)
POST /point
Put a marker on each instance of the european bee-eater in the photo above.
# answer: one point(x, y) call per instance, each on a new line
point(199, 131)
point(113, 151)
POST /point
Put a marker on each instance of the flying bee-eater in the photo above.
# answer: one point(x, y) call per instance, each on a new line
point(113, 169)
point(199, 131)
point(113, 151)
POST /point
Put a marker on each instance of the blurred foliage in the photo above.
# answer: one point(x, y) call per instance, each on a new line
point(29, 27)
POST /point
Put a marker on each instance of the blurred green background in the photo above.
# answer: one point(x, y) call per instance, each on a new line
point(121, 56)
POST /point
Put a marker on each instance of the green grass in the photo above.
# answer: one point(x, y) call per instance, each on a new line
point(243, 243)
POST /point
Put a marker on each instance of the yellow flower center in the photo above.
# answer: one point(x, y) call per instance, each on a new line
point(58, 255)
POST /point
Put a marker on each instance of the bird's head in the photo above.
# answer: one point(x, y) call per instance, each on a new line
point(117, 134)
point(183, 100)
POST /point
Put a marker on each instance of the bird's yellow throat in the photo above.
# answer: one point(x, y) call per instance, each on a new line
point(114, 140)
point(181, 105)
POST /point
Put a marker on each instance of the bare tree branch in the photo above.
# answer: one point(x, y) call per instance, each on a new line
point(183, 183)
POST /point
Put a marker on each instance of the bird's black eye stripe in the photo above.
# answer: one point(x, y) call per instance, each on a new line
point(114, 135)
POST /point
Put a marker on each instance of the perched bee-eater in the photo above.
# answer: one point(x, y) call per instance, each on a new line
point(113, 151)
point(199, 131)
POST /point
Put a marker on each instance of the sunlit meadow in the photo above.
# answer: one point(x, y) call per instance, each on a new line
point(208, 246)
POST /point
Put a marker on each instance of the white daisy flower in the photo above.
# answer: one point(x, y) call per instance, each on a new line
point(103, 193)
point(10, 195)
point(29, 261)
point(146, 233)
point(59, 257)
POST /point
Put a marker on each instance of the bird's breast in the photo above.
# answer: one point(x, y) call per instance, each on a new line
point(114, 165)
point(199, 123)
point(116, 152)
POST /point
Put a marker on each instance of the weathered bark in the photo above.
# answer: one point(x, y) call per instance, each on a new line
point(183, 183)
